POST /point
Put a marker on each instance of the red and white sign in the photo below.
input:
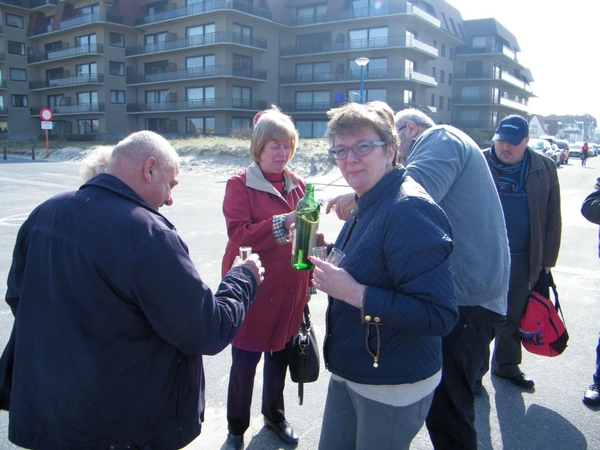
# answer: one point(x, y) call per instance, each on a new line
point(46, 114)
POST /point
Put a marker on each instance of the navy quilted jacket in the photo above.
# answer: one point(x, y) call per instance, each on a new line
point(397, 242)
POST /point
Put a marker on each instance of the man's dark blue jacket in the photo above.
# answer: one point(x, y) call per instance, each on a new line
point(111, 320)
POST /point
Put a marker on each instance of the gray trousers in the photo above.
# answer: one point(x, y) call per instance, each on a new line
point(507, 348)
point(353, 422)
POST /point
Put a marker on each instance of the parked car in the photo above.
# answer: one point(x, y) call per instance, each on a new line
point(594, 149)
point(563, 145)
point(575, 149)
point(543, 147)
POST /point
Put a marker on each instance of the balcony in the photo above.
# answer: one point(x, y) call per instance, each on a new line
point(354, 76)
point(514, 104)
point(41, 3)
point(189, 105)
point(359, 44)
point(490, 49)
point(2, 84)
point(88, 49)
point(199, 8)
point(321, 107)
point(84, 108)
point(197, 41)
point(493, 75)
point(198, 72)
point(89, 78)
point(4, 111)
point(2, 57)
point(393, 7)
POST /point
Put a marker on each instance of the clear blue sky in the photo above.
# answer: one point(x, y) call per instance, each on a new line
point(559, 42)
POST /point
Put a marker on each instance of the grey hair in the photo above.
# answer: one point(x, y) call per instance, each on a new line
point(141, 145)
point(419, 118)
point(95, 162)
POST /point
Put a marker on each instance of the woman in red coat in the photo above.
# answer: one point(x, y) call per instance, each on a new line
point(259, 208)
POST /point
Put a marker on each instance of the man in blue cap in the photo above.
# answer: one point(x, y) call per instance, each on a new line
point(529, 191)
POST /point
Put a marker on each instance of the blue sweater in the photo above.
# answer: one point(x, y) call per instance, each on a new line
point(399, 247)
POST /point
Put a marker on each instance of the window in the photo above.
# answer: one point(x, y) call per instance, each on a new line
point(474, 69)
point(18, 74)
point(470, 93)
point(442, 76)
point(86, 10)
point(433, 73)
point(432, 100)
point(315, 100)
point(55, 100)
point(117, 97)
point(242, 34)
point(470, 117)
point(241, 123)
point(200, 125)
point(200, 96)
point(310, 14)
point(441, 103)
point(451, 54)
point(409, 97)
point(87, 126)
point(369, 37)
point(311, 128)
point(313, 72)
point(443, 51)
point(158, 96)
point(241, 97)
point(201, 65)
point(449, 104)
point(369, 94)
point(450, 80)
point(478, 42)
point(242, 66)
point(19, 101)
point(201, 34)
point(86, 41)
point(116, 39)
point(16, 48)
point(161, 125)
point(87, 72)
point(116, 68)
point(87, 98)
point(14, 21)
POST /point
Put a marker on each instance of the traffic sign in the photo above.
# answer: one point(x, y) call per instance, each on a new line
point(46, 114)
point(46, 125)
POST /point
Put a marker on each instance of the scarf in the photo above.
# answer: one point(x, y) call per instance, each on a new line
point(511, 177)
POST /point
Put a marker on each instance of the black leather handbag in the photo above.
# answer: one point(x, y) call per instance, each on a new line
point(304, 367)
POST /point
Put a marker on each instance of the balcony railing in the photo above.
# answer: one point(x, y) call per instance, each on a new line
point(198, 72)
point(38, 3)
point(4, 111)
point(2, 84)
point(310, 107)
point(357, 44)
point(71, 109)
point(399, 7)
point(187, 105)
point(90, 18)
point(206, 6)
point(369, 75)
point(197, 41)
point(2, 57)
point(66, 53)
point(491, 49)
point(89, 78)
point(493, 75)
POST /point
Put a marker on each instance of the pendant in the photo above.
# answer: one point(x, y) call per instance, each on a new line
point(375, 365)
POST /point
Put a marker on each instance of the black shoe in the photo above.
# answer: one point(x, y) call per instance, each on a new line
point(284, 430)
point(520, 380)
point(478, 388)
point(591, 396)
point(235, 442)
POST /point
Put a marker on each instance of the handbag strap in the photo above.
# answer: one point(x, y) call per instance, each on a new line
point(556, 302)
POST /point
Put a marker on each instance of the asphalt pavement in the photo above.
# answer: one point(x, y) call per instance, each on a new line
point(549, 417)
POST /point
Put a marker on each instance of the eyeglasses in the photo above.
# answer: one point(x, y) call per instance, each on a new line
point(402, 128)
point(363, 148)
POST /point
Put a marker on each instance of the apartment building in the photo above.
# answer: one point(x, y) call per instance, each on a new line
point(186, 67)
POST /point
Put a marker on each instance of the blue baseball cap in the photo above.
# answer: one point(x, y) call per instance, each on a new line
point(512, 129)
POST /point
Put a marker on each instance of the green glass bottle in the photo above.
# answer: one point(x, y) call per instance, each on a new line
point(307, 223)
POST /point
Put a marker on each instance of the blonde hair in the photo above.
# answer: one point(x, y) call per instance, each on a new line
point(272, 125)
point(95, 162)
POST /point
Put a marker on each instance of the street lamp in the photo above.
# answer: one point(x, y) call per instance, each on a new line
point(362, 62)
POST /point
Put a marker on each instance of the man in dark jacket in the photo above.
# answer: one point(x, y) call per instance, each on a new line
point(529, 191)
point(591, 211)
point(111, 317)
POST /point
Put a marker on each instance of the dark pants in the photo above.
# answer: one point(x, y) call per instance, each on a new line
point(241, 386)
point(507, 348)
point(451, 418)
point(597, 373)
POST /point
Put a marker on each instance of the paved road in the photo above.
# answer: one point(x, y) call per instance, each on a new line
point(551, 417)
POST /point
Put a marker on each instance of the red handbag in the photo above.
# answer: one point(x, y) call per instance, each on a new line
point(542, 330)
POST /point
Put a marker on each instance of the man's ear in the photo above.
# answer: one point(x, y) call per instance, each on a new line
point(149, 168)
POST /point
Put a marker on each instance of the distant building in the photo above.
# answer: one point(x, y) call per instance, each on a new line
point(198, 67)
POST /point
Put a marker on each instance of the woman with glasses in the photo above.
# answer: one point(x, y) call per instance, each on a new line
point(392, 298)
point(259, 208)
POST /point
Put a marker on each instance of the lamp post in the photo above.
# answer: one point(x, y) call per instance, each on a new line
point(362, 62)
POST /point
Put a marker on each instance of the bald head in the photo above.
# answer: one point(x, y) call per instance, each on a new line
point(148, 164)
